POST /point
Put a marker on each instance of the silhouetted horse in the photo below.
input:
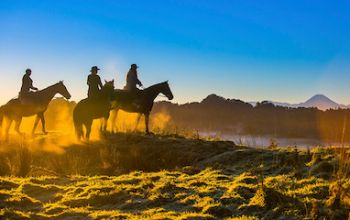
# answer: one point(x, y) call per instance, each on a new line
point(36, 104)
point(142, 104)
point(93, 108)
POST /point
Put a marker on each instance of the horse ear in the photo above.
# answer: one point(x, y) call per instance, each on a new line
point(106, 81)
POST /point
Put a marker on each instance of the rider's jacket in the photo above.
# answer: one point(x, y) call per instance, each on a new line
point(94, 82)
point(27, 84)
point(132, 80)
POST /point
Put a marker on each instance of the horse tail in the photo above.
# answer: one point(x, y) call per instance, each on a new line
point(78, 125)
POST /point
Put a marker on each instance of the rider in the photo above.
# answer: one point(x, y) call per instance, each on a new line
point(132, 79)
point(94, 82)
point(27, 85)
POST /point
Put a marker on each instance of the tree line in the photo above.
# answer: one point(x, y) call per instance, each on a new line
point(216, 113)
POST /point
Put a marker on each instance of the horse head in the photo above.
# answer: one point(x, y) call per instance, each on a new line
point(108, 87)
point(62, 89)
point(166, 90)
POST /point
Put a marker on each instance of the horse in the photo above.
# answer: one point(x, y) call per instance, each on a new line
point(89, 109)
point(141, 104)
point(37, 104)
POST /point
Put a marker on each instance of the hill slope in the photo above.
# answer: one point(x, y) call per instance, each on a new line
point(169, 177)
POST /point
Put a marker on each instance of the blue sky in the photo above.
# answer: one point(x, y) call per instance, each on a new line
point(250, 50)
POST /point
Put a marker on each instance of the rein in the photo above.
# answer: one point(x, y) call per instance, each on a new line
point(161, 95)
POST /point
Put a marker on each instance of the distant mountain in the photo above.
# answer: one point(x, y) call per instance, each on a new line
point(214, 99)
point(319, 101)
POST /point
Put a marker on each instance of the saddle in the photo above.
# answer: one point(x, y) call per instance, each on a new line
point(27, 98)
point(132, 97)
point(128, 94)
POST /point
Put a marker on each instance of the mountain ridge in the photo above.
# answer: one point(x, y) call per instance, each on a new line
point(319, 101)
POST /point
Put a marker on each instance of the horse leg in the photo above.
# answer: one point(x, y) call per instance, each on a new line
point(105, 119)
point(102, 124)
point(35, 124)
point(78, 131)
point(114, 120)
point(7, 129)
point(103, 127)
point(42, 118)
point(18, 122)
point(88, 125)
point(147, 122)
point(137, 121)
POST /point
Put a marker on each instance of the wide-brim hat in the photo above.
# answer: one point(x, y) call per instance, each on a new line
point(94, 68)
point(134, 66)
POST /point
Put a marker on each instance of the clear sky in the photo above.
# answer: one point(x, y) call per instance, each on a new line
point(251, 50)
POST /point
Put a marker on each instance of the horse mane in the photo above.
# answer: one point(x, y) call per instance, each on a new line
point(49, 87)
point(156, 85)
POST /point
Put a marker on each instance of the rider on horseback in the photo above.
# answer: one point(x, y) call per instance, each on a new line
point(94, 82)
point(27, 86)
point(132, 79)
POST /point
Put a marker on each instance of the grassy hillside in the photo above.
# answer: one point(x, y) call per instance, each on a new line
point(133, 176)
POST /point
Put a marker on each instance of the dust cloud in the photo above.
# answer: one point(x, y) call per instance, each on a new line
point(60, 127)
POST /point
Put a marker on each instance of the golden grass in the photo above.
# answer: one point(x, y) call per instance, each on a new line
point(161, 195)
point(170, 177)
